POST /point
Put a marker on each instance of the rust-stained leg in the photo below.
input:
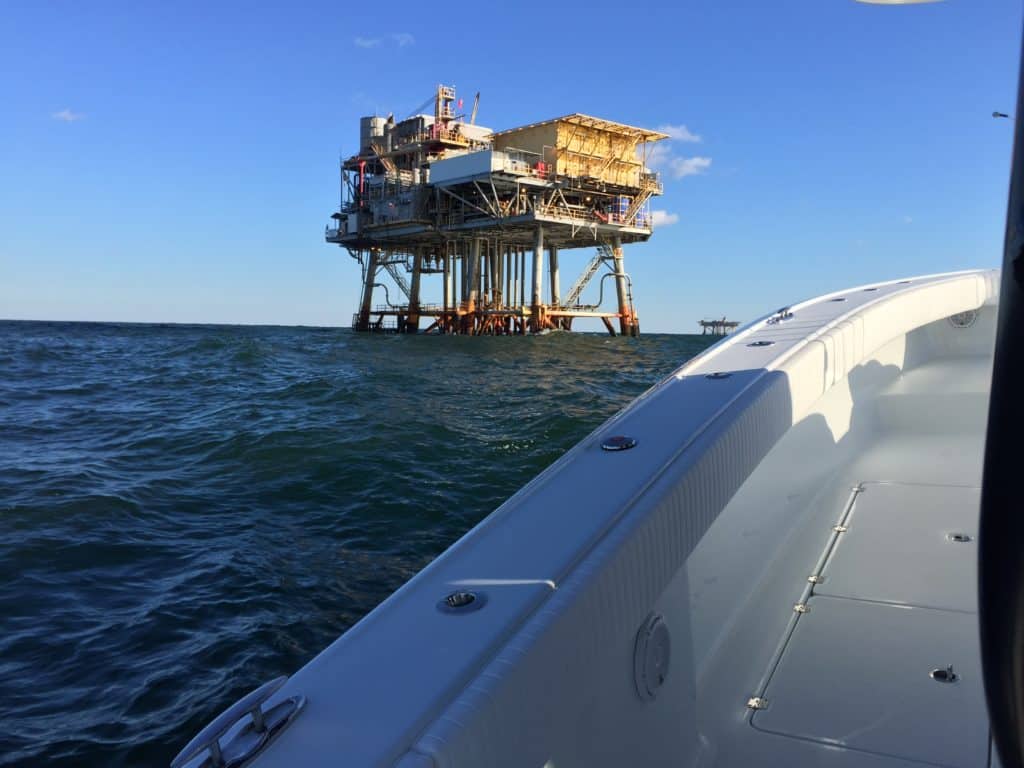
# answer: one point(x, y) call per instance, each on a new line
point(627, 324)
point(363, 321)
point(553, 265)
point(536, 310)
point(412, 322)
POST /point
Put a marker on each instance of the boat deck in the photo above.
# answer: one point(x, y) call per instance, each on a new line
point(877, 662)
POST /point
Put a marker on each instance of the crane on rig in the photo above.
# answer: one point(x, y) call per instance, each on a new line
point(422, 107)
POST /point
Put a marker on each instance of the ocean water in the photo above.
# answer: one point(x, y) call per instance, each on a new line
point(189, 511)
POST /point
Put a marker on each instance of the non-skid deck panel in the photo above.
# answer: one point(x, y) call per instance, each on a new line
point(924, 459)
point(908, 544)
point(948, 396)
point(856, 674)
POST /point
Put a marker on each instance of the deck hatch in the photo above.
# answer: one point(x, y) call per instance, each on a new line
point(860, 675)
point(908, 544)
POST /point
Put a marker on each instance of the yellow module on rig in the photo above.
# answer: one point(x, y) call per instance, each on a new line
point(438, 194)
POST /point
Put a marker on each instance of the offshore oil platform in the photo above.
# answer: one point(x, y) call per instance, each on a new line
point(439, 194)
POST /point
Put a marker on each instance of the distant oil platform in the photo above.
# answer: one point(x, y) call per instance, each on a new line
point(437, 194)
point(717, 327)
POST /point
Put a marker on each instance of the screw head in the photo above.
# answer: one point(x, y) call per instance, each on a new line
point(462, 601)
point(459, 599)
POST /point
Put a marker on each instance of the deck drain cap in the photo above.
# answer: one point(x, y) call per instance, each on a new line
point(618, 443)
point(651, 657)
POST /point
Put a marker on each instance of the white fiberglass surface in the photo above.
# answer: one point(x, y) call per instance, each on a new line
point(842, 574)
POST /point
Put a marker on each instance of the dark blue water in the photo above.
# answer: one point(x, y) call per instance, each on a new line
point(189, 511)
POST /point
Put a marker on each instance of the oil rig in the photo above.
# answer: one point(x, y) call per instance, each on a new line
point(717, 327)
point(437, 194)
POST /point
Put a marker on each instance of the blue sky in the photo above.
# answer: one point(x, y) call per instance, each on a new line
point(176, 162)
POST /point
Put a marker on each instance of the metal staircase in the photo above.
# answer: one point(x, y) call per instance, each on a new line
point(604, 252)
point(638, 203)
point(387, 162)
point(398, 277)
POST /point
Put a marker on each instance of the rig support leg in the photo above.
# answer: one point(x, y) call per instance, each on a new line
point(555, 288)
point(463, 265)
point(449, 288)
point(627, 323)
point(412, 322)
point(494, 275)
point(553, 264)
point(473, 277)
point(521, 285)
point(487, 260)
point(363, 321)
point(537, 321)
point(513, 268)
point(506, 295)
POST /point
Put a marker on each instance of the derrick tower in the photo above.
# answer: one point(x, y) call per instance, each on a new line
point(436, 194)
